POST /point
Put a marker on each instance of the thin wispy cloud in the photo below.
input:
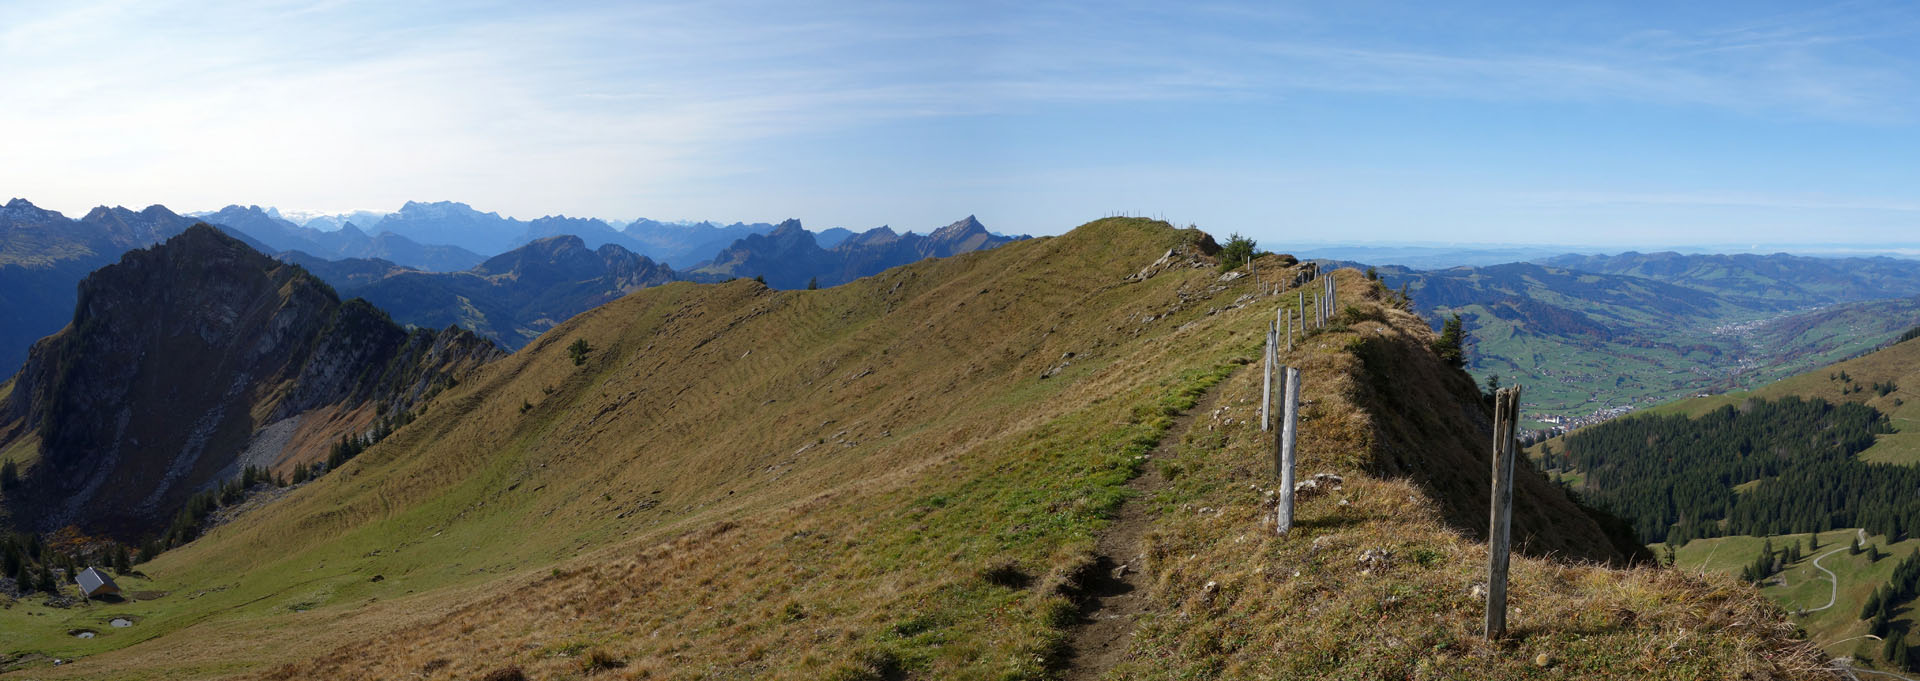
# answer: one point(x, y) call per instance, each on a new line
point(756, 110)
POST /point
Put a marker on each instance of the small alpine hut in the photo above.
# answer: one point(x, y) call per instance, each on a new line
point(95, 583)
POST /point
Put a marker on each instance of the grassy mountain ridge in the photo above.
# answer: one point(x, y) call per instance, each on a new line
point(904, 477)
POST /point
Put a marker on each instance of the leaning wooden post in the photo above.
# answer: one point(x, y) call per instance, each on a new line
point(1266, 381)
point(1301, 298)
point(1283, 454)
point(1320, 307)
point(1506, 419)
point(1326, 303)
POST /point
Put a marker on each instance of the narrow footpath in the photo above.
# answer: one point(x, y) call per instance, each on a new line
point(1116, 595)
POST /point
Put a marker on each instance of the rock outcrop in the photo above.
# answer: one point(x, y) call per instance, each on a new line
point(179, 356)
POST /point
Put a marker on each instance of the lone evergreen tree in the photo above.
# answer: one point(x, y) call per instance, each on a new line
point(1451, 345)
point(47, 582)
point(813, 284)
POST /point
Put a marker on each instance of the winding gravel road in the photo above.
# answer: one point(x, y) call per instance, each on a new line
point(1835, 579)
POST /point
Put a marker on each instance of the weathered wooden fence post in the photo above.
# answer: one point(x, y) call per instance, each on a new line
point(1266, 381)
point(1506, 419)
point(1283, 454)
point(1333, 293)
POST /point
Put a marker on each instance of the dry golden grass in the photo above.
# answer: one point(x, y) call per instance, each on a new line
point(874, 481)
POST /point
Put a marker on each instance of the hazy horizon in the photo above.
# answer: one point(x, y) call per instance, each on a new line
point(1626, 126)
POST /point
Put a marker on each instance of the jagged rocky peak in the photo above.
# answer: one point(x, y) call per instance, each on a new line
point(960, 229)
point(23, 209)
point(177, 358)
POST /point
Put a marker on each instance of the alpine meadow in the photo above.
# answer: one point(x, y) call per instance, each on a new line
point(865, 341)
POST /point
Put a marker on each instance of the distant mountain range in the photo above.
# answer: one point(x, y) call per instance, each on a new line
point(1777, 281)
point(511, 298)
point(514, 297)
point(681, 245)
point(791, 257)
point(1589, 332)
point(347, 242)
point(528, 287)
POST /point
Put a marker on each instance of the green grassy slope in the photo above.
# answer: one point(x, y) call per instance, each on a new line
point(1802, 587)
point(905, 477)
point(1898, 364)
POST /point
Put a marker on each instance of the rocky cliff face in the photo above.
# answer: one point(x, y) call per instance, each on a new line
point(43, 254)
point(178, 357)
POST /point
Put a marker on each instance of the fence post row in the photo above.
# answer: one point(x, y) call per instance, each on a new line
point(1283, 455)
point(1506, 419)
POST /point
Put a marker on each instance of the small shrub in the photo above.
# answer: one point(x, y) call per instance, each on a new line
point(505, 674)
point(578, 351)
point(1237, 252)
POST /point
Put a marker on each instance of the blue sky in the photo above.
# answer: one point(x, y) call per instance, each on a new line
point(1615, 124)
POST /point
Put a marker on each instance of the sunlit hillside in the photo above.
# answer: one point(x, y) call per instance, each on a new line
point(918, 475)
